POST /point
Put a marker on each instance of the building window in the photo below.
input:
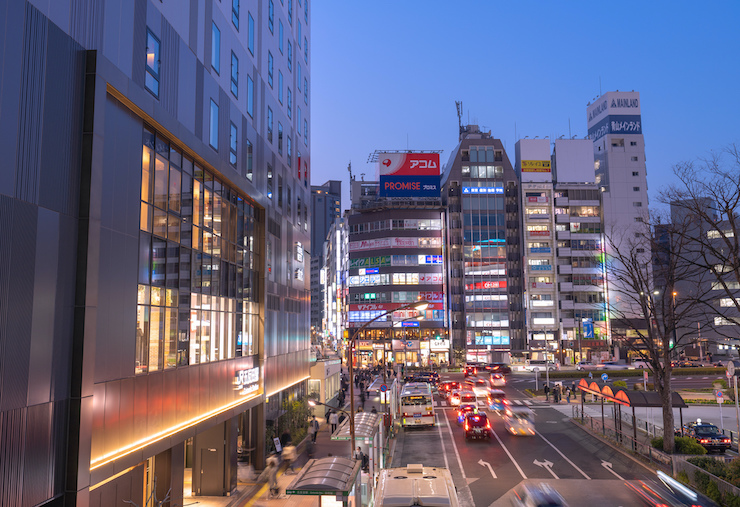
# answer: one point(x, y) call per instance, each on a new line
point(640, 250)
point(213, 130)
point(638, 219)
point(633, 143)
point(269, 68)
point(280, 138)
point(298, 76)
point(269, 181)
point(235, 13)
point(305, 91)
point(290, 151)
point(281, 35)
point(305, 132)
point(290, 12)
point(250, 36)
point(269, 124)
point(280, 191)
point(300, 35)
point(290, 104)
point(305, 11)
point(271, 16)
point(289, 202)
point(635, 173)
point(280, 86)
point(305, 49)
point(635, 189)
point(249, 159)
point(250, 96)
point(234, 75)
point(233, 136)
point(215, 48)
point(298, 119)
point(637, 204)
point(634, 159)
point(290, 56)
point(152, 63)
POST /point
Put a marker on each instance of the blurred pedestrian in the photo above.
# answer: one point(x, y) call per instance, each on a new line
point(373, 411)
point(333, 420)
point(313, 428)
point(289, 456)
point(362, 398)
point(272, 470)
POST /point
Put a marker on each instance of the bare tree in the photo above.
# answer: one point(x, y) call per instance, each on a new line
point(643, 271)
point(707, 195)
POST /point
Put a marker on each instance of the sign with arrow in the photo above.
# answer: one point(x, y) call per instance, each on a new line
point(608, 466)
point(487, 465)
point(547, 465)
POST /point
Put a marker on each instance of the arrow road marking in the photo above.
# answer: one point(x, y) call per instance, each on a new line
point(564, 456)
point(547, 465)
point(488, 465)
point(608, 466)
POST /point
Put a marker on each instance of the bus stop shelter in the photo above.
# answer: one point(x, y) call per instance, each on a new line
point(623, 398)
point(332, 479)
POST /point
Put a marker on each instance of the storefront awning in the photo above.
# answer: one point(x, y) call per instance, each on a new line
point(326, 476)
point(366, 425)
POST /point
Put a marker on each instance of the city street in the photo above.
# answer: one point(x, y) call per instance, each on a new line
point(583, 469)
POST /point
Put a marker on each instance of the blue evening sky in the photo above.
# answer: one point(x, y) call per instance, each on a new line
point(386, 75)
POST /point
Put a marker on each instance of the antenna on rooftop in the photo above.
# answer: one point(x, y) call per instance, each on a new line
point(458, 106)
point(349, 168)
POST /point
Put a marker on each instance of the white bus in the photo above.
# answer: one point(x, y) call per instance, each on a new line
point(415, 485)
point(416, 405)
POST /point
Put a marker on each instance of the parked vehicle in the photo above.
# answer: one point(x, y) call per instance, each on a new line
point(539, 365)
point(707, 435)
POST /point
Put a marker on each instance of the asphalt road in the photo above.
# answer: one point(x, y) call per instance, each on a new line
point(584, 470)
point(526, 380)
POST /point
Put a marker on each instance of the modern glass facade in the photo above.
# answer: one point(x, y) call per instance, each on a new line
point(197, 295)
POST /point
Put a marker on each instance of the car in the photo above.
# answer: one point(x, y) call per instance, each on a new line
point(539, 365)
point(519, 421)
point(684, 364)
point(478, 385)
point(445, 388)
point(477, 425)
point(467, 396)
point(669, 492)
point(613, 365)
point(430, 376)
point(463, 409)
point(708, 436)
point(496, 400)
point(454, 397)
point(585, 366)
point(472, 369)
point(498, 380)
point(498, 368)
point(537, 495)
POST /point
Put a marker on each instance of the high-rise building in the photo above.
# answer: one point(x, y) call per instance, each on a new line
point(155, 215)
point(396, 257)
point(326, 204)
point(333, 278)
point(479, 189)
point(615, 127)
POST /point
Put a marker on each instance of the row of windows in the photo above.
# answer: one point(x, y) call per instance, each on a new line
point(483, 253)
point(394, 260)
point(487, 319)
point(396, 279)
point(186, 204)
point(581, 194)
point(483, 154)
point(483, 219)
point(364, 316)
point(483, 171)
point(579, 211)
point(174, 330)
point(389, 225)
point(477, 236)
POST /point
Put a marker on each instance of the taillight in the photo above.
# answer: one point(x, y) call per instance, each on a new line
point(466, 426)
point(488, 425)
point(506, 402)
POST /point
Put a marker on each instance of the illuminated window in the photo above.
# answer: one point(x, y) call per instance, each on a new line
point(152, 64)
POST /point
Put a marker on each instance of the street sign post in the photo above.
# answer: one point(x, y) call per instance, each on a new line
point(644, 379)
point(720, 400)
point(730, 368)
point(604, 377)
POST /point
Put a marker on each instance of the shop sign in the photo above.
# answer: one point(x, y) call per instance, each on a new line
point(247, 381)
point(439, 344)
point(364, 344)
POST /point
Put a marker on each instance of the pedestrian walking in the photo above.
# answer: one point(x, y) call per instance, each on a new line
point(547, 392)
point(272, 470)
point(313, 429)
point(333, 420)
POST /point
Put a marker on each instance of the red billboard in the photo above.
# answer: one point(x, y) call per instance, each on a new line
point(486, 285)
point(408, 164)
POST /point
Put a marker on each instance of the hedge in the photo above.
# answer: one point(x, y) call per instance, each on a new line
point(638, 372)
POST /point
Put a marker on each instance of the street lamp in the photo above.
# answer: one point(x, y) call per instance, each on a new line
point(313, 403)
point(418, 305)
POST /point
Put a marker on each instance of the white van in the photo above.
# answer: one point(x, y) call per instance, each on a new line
point(519, 421)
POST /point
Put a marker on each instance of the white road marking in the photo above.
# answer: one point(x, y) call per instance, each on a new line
point(608, 466)
point(487, 465)
point(509, 454)
point(547, 465)
point(454, 446)
point(564, 456)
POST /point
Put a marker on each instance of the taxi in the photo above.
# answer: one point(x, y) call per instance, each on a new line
point(496, 400)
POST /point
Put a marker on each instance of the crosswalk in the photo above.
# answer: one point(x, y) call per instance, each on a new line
point(481, 403)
